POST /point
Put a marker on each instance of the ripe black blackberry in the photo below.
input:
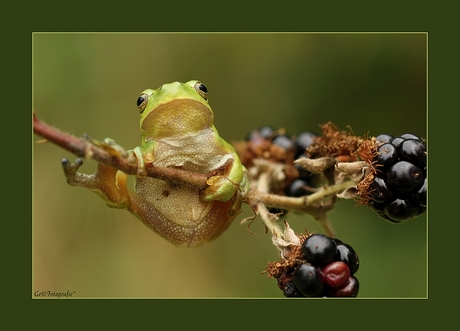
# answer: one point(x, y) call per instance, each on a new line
point(286, 285)
point(398, 190)
point(321, 267)
point(279, 146)
point(303, 141)
point(319, 249)
point(306, 179)
point(307, 279)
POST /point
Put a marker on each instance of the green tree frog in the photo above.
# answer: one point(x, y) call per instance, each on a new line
point(177, 131)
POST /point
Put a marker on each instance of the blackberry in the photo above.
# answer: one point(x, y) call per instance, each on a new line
point(414, 151)
point(279, 146)
point(378, 190)
point(387, 155)
point(266, 131)
point(290, 291)
point(421, 194)
point(311, 179)
point(303, 141)
point(283, 141)
point(401, 209)
point(404, 176)
point(384, 138)
point(410, 136)
point(397, 141)
point(379, 209)
point(398, 190)
point(297, 188)
point(319, 249)
point(279, 211)
point(347, 254)
point(336, 274)
point(303, 173)
point(286, 285)
point(263, 132)
point(350, 289)
point(307, 279)
point(313, 271)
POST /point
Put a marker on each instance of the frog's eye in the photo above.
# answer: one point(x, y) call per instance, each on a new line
point(142, 102)
point(202, 90)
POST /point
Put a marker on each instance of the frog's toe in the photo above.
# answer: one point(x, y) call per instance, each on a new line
point(137, 156)
point(113, 148)
point(223, 192)
point(70, 169)
point(109, 145)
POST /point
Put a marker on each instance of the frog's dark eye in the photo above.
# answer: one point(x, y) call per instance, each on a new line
point(142, 102)
point(202, 90)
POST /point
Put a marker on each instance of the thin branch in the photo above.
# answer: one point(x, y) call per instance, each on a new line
point(326, 226)
point(307, 204)
point(269, 219)
point(85, 148)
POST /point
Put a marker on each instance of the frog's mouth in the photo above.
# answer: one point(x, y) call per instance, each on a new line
point(177, 117)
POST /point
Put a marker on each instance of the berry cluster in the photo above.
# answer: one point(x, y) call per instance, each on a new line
point(326, 267)
point(398, 190)
point(281, 147)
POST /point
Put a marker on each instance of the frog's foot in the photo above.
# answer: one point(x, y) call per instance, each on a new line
point(74, 178)
point(220, 188)
point(107, 182)
point(244, 186)
point(134, 157)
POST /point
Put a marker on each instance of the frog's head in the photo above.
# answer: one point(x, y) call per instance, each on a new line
point(174, 109)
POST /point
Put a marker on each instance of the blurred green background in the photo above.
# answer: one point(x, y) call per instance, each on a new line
point(89, 83)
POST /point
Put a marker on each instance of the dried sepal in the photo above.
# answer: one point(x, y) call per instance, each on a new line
point(354, 170)
point(367, 152)
point(291, 255)
point(276, 170)
point(342, 145)
point(316, 166)
point(350, 192)
point(261, 148)
point(287, 242)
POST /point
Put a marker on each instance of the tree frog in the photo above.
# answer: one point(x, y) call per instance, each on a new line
point(177, 130)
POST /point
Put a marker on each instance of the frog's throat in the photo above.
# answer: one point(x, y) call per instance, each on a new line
point(176, 117)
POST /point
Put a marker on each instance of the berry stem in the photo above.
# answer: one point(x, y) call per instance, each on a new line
point(326, 226)
point(269, 219)
point(311, 204)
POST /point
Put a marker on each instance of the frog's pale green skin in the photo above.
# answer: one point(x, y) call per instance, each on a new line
point(177, 131)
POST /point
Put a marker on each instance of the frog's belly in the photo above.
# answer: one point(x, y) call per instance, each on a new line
point(178, 214)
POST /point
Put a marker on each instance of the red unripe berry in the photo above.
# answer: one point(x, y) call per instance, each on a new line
point(336, 274)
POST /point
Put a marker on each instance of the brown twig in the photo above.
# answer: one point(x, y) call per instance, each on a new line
point(84, 148)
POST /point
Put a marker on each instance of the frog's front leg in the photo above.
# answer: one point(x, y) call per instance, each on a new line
point(107, 182)
point(223, 187)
